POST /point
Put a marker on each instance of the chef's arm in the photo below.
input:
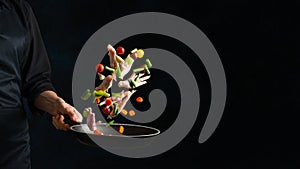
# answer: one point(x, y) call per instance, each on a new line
point(48, 101)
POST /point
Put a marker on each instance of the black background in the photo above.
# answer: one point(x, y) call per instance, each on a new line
point(257, 43)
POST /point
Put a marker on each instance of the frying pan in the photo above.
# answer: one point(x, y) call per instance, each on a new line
point(111, 137)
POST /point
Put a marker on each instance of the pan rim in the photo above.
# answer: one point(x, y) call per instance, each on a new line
point(114, 135)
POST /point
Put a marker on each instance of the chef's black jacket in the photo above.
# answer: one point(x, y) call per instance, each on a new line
point(24, 73)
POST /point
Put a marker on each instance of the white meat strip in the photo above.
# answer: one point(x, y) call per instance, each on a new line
point(116, 98)
point(141, 81)
point(125, 67)
point(106, 83)
point(121, 103)
point(91, 122)
point(112, 56)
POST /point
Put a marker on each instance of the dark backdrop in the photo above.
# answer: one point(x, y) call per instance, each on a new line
point(257, 43)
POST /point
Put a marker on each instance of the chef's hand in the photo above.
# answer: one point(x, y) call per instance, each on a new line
point(59, 124)
point(58, 108)
point(64, 109)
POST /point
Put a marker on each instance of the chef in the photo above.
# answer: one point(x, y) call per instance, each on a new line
point(24, 73)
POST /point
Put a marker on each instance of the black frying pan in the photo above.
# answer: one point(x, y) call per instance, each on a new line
point(110, 135)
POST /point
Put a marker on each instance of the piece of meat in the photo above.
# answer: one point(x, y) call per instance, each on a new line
point(91, 121)
point(116, 98)
point(121, 103)
point(125, 68)
point(106, 83)
point(112, 56)
point(139, 82)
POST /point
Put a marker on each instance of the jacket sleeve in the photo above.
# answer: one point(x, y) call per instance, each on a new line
point(36, 68)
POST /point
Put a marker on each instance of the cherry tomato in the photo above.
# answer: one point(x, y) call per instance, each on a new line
point(120, 50)
point(100, 68)
point(139, 99)
point(108, 102)
point(106, 110)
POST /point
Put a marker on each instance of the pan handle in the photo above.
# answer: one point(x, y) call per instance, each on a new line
point(67, 120)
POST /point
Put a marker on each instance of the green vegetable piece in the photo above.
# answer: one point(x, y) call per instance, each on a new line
point(132, 84)
point(85, 113)
point(86, 95)
point(147, 70)
point(116, 109)
point(138, 70)
point(129, 60)
point(94, 98)
point(110, 123)
point(134, 50)
point(137, 77)
point(109, 69)
point(148, 63)
point(119, 73)
point(99, 93)
point(117, 94)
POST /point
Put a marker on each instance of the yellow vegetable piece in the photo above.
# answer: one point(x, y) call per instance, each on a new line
point(140, 53)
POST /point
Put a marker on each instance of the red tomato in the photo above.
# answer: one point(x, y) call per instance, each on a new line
point(120, 50)
point(139, 99)
point(100, 68)
point(106, 110)
point(108, 102)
